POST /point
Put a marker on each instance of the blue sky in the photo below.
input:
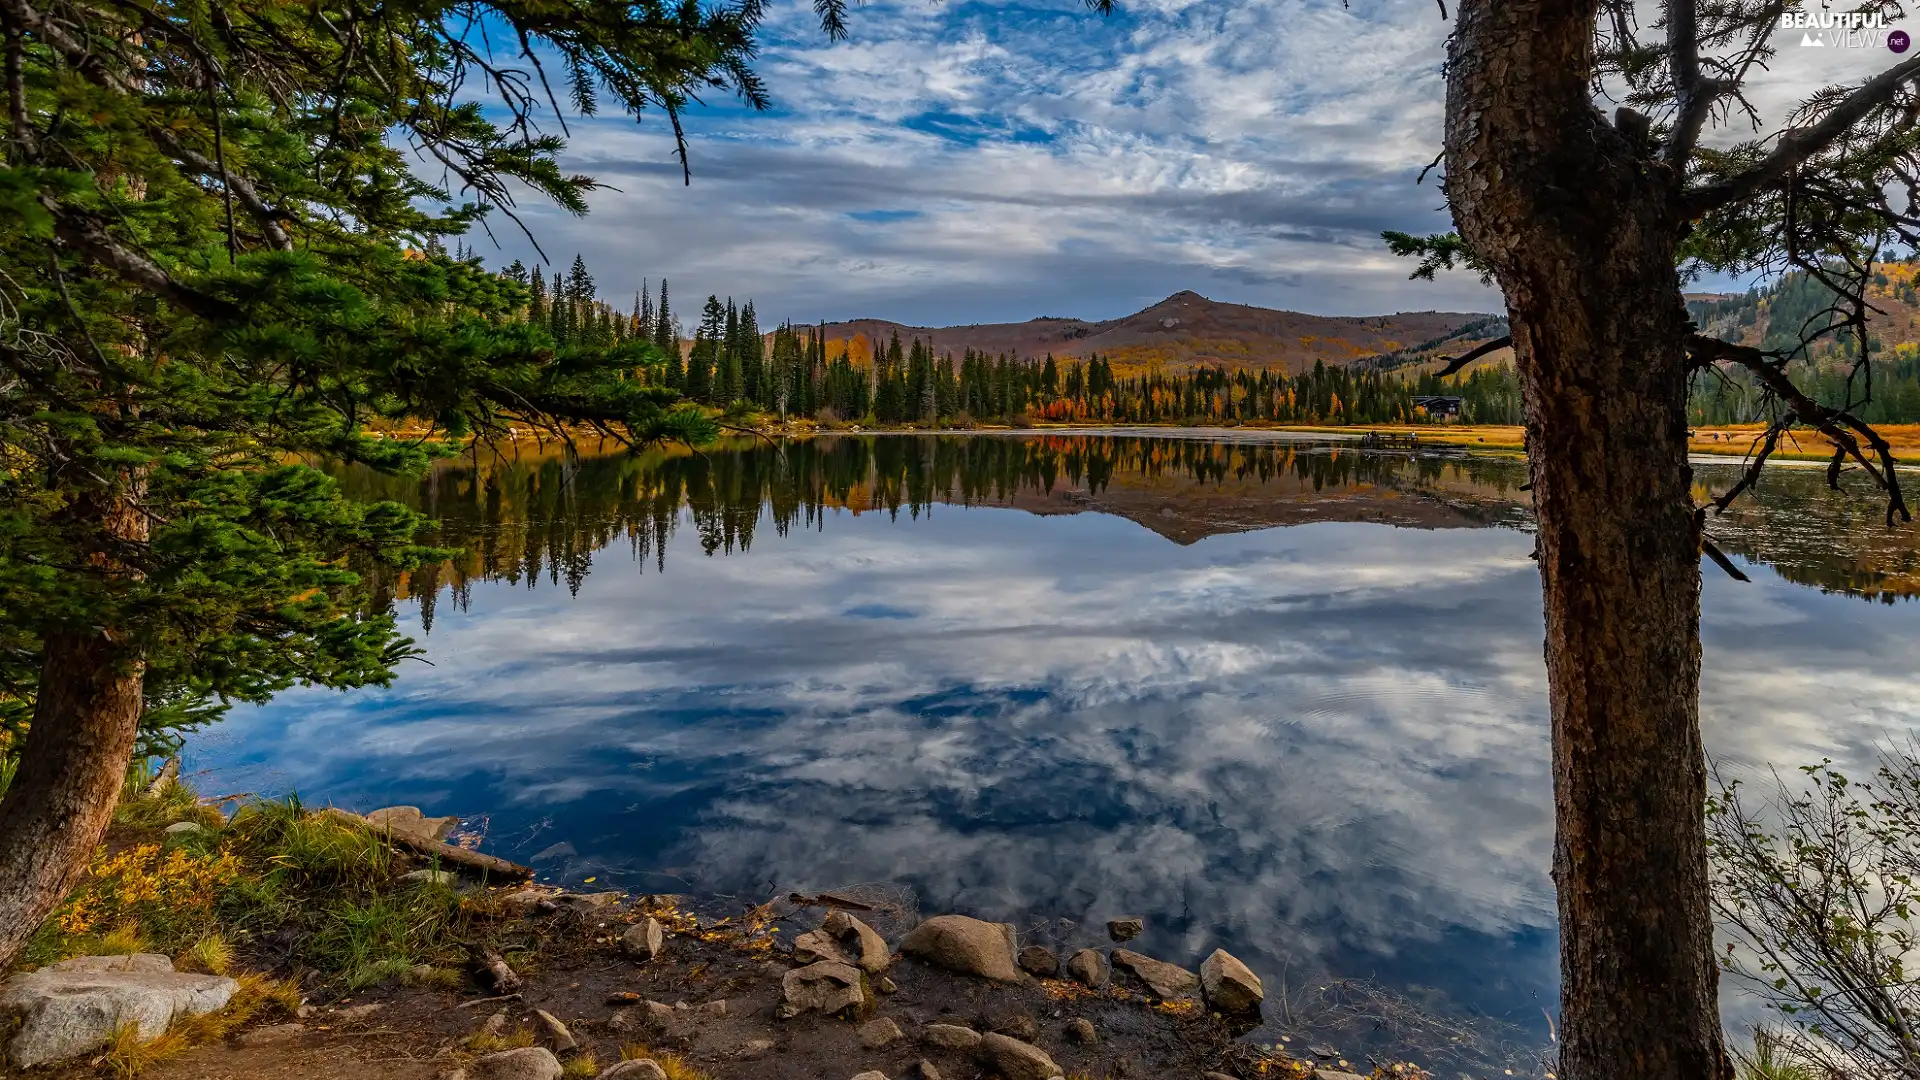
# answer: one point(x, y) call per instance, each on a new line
point(981, 162)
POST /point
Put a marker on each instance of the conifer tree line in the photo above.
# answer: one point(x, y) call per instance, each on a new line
point(731, 363)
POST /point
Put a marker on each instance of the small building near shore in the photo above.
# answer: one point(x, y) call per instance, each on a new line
point(1440, 406)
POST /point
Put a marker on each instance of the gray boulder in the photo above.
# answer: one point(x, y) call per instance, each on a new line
point(69, 1008)
point(1228, 985)
point(1089, 968)
point(644, 940)
point(1016, 1060)
point(637, 1069)
point(184, 828)
point(874, 954)
point(969, 946)
point(825, 987)
point(963, 1040)
point(526, 1063)
point(1166, 980)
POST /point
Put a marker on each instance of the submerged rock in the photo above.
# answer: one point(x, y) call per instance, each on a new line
point(1165, 980)
point(526, 1063)
point(969, 946)
point(74, 1006)
point(1089, 968)
point(1228, 985)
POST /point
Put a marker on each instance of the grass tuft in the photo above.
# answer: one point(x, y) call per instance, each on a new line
point(675, 1066)
point(212, 954)
point(486, 1042)
point(580, 1067)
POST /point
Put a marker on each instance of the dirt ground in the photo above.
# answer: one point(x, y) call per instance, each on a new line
point(414, 1033)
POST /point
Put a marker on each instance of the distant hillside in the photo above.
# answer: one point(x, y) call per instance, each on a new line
point(1177, 334)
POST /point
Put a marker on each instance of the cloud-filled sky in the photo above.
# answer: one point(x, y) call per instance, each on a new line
point(982, 161)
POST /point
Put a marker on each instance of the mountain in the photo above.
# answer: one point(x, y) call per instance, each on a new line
point(1181, 332)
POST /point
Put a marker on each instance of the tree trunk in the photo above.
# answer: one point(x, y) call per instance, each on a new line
point(86, 719)
point(72, 764)
point(1581, 229)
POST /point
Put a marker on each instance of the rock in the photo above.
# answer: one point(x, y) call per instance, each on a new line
point(880, 1034)
point(495, 1024)
point(593, 901)
point(1090, 968)
point(1165, 980)
point(644, 940)
point(870, 1074)
point(1216, 1076)
point(1335, 1074)
point(1039, 960)
point(623, 997)
point(757, 1048)
point(269, 1036)
point(431, 877)
point(928, 1071)
point(554, 1034)
point(1016, 1060)
point(715, 1008)
point(637, 1069)
point(963, 1040)
point(817, 945)
point(71, 1007)
point(184, 828)
point(526, 1063)
point(353, 1014)
point(888, 986)
point(527, 901)
point(660, 1012)
point(1228, 985)
point(825, 986)
point(874, 954)
point(1014, 1023)
point(410, 821)
point(1080, 1030)
point(1125, 929)
point(969, 946)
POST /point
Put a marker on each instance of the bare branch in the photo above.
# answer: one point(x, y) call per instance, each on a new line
point(1455, 363)
point(249, 196)
point(1799, 144)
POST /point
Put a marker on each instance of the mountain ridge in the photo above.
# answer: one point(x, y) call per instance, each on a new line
point(1184, 331)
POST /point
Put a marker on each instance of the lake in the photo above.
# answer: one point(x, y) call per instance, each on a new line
point(1280, 695)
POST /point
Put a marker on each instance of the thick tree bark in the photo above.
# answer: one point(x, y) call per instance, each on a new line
point(1581, 227)
point(86, 719)
point(71, 767)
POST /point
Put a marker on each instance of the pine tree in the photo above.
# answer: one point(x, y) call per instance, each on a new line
point(728, 381)
point(579, 282)
point(666, 338)
point(753, 359)
point(707, 341)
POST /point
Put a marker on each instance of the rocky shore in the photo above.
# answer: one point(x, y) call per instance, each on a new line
point(569, 984)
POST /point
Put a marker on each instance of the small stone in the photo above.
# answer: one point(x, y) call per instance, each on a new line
point(870, 1074)
point(644, 940)
point(637, 1069)
point(715, 1008)
point(1016, 1060)
point(824, 986)
point(1017, 1024)
point(1167, 981)
point(1080, 1030)
point(1125, 929)
point(874, 954)
point(590, 901)
point(1039, 960)
point(1228, 985)
point(969, 946)
point(184, 828)
point(659, 1012)
point(526, 1063)
point(879, 1034)
point(963, 1040)
point(356, 1013)
point(553, 1033)
point(928, 1071)
point(1089, 968)
point(269, 1036)
point(1217, 1076)
point(529, 900)
point(495, 1024)
point(887, 985)
point(817, 945)
point(1335, 1074)
point(431, 877)
point(757, 1048)
point(623, 997)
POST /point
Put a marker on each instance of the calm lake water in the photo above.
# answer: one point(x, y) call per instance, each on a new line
point(1281, 696)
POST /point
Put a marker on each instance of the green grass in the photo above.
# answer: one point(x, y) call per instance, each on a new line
point(1772, 1061)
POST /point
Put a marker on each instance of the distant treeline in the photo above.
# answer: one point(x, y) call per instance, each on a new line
point(1784, 313)
point(730, 363)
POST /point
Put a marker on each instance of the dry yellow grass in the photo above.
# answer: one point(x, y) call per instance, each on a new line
point(675, 1066)
point(1733, 440)
point(128, 1054)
